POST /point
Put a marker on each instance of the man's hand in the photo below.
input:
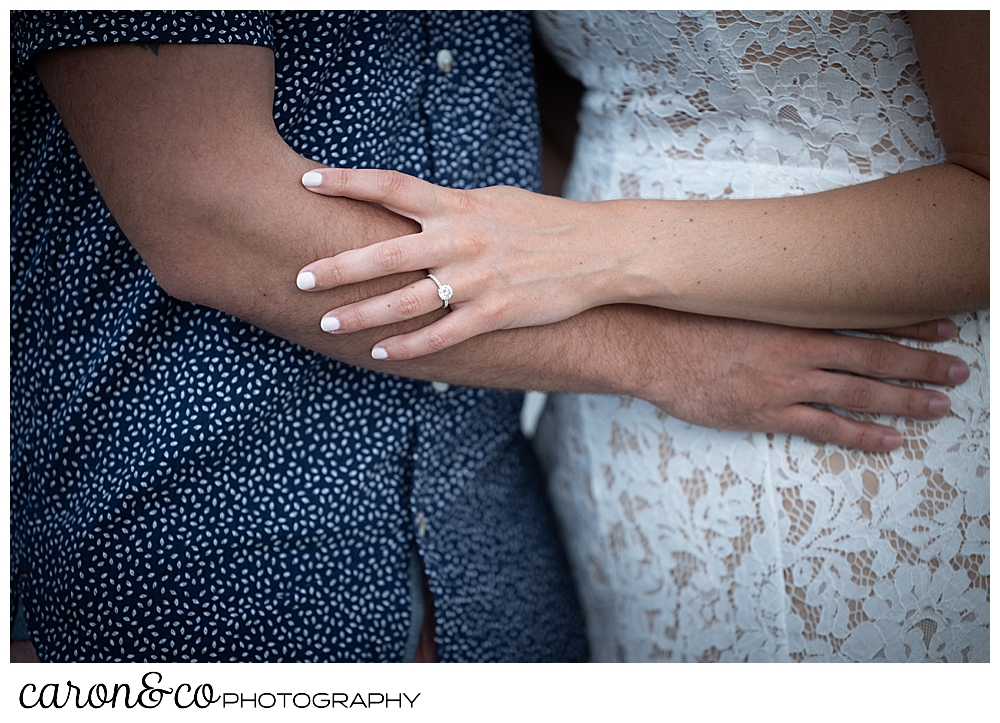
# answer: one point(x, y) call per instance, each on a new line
point(183, 147)
point(746, 375)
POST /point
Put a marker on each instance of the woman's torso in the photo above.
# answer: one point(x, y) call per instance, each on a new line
point(776, 102)
point(697, 544)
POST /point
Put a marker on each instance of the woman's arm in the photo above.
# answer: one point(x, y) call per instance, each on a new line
point(902, 249)
point(183, 148)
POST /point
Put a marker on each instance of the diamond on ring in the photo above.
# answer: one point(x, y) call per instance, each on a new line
point(445, 291)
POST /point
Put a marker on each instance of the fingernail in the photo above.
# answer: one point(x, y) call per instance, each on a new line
point(306, 280)
point(379, 353)
point(940, 405)
point(946, 328)
point(330, 323)
point(958, 372)
point(312, 179)
point(892, 439)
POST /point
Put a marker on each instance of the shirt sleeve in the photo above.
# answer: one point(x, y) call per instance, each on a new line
point(35, 31)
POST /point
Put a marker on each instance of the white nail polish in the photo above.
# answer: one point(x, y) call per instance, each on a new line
point(312, 179)
point(330, 323)
point(306, 280)
point(379, 353)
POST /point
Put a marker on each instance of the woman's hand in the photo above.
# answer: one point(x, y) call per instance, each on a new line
point(511, 258)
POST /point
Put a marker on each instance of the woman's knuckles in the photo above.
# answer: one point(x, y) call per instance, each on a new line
point(332, 275)
point(389, 183)
point(408, 304)
point(462, 203)
point(388, 256)
point(436, 340)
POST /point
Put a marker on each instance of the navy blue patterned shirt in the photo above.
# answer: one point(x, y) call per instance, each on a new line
point(185, 486)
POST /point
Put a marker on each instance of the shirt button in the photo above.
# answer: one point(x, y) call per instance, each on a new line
point(440, 387)
point(445, 61)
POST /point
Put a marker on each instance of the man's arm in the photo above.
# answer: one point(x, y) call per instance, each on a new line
point(183, 148)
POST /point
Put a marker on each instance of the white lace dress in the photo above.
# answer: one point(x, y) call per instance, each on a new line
point(691, 544)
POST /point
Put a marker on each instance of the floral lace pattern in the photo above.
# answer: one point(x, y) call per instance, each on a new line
point(691, 544)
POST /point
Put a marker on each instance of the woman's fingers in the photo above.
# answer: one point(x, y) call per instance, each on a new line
point(823, 426)
point(456, 327)
point(417, 299)
point(860, 394)
point(406, 253)
point(888, 360)
point(402, 194)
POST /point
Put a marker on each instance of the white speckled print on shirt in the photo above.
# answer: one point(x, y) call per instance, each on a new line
point(188, 487)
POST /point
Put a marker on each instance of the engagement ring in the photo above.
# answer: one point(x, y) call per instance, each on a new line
point(445, 291)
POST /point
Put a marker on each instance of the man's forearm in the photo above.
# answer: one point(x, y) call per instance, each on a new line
point(183, 147)
point(190, 164)
point(247, 267)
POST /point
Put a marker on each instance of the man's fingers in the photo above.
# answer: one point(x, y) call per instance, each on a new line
point(398, 192)
point(823, 426)
point(406, 253)
point(888, 360)
point(416, 299)
point(860, 394)
point(456, 327)
point(937, 330)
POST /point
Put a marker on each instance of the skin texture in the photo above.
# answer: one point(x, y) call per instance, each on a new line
point(184, 150)
point(182, 145)
point(902, 249)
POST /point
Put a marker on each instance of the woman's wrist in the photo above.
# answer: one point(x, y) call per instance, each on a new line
point(638, 235)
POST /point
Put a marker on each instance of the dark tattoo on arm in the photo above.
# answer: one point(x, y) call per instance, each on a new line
point(155, 47)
